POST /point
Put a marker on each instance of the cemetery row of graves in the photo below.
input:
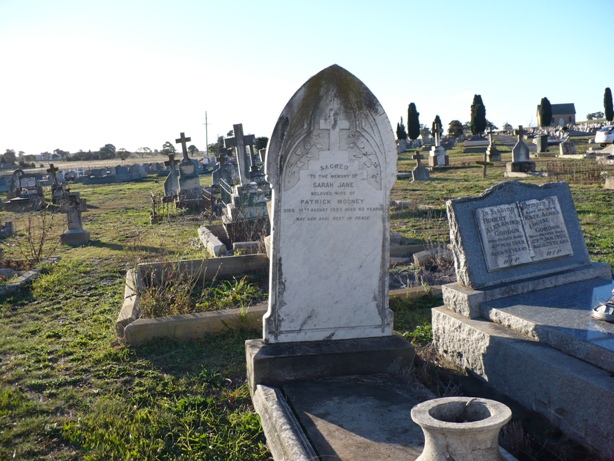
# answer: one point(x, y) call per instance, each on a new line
point(72, 388)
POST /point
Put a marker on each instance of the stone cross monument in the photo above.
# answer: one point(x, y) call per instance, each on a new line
point(188, 176)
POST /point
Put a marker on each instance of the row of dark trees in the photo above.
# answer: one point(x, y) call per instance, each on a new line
point(477, 125)
point(478, 122)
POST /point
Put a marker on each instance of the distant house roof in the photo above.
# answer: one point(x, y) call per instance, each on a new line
point(569, 108)
point(558, 109)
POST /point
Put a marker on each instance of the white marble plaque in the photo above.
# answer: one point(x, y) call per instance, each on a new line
point(522, 233)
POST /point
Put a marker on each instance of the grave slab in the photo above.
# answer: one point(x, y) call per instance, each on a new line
point(350, 418)
point(571, 394)
point(562, 319)
point(519, 316)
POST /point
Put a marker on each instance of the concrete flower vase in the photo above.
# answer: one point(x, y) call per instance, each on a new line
point(461, 428)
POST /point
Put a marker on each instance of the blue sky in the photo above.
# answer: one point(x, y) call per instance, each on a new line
point(78, 74)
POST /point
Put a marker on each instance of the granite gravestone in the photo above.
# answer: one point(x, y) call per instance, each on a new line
point(567, 148)
point(524, 298)
point(420, 173)
point(515, 231)
point(331, 163)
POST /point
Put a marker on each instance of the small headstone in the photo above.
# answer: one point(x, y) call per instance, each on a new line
point(420, 173)
point(521, 160)
point(75, 235)
point(188, 175)
point(542, 143)
point(171, 183)
point(402, 147)
point(567, 148)
point(492, 153)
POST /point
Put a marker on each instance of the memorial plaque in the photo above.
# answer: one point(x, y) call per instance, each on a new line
point(515, 231)
point(331, 163)
point(523, 232)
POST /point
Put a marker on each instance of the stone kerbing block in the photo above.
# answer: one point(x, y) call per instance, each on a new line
point(414, 292)
point(572, 394)
point(285, 437)
point(211, 242)
point(22, 280)
point(190, 326)
point(466, 301)
point(401, 249)
point(275, 364)
point(432, 255)
point(176, 326)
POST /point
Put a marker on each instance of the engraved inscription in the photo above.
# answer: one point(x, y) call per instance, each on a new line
point(523, 232)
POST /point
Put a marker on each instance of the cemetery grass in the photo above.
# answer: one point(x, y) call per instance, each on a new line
point(69, 390)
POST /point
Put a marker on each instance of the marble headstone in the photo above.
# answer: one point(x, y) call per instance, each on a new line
point(515, 231)
point(331, 162)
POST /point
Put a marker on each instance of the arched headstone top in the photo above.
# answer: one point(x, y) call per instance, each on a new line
point(332, 111)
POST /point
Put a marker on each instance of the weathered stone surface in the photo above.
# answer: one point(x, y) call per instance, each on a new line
point(466, 301)
point(471, 266)
point(211, 242)
point(573, 395)
point(331, 163)
point(562, 319)
point(285, 436)
point(275, 364)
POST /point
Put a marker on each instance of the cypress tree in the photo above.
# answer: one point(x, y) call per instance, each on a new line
point(413, 122)
point(545, 113)
point(401, 133)
point(478, 115)
point(436, 122)
point(607, 105)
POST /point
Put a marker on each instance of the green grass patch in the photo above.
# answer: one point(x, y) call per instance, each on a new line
point(70, 391)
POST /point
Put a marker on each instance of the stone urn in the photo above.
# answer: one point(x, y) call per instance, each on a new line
point(461, 428)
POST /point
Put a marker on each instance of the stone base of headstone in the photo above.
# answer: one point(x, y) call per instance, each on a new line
point(609, 183)
point(520, 167)
point(245, 230)
point(438, 157)
point(571, 394)
point(75, 237)
point(275, 364)
point(542, 143)
point(493, 154)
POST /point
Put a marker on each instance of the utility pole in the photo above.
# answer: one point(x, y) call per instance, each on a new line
point(206, 135)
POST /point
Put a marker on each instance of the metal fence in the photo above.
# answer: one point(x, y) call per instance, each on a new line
point(578, 171)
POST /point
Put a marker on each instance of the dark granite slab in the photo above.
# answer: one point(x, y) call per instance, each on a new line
point(561, 318)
